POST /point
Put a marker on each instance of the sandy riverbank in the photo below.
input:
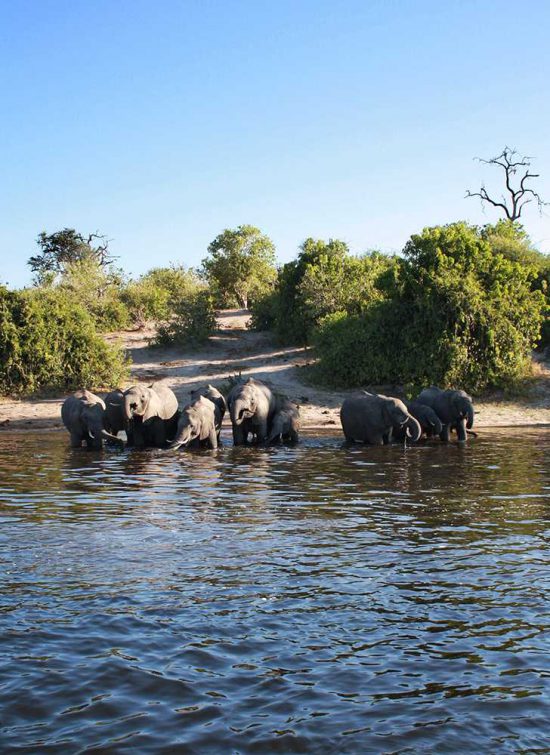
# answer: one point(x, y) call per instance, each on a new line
point(235, 349)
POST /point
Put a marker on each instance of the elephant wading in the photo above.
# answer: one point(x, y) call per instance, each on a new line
point(371, 417)
point(285, 423)
point(151, 413)
point(428, 419)
point(199, 425)
point(208, 391)
point(251, 406)
point(454, 408)
point(83, 415)
point(115, 420)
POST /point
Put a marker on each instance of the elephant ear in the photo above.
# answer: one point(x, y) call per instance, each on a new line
point(153, 405)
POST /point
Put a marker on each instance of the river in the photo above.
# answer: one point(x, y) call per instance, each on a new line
point(317, 599)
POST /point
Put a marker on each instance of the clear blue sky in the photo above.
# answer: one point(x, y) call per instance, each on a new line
point(161, 123)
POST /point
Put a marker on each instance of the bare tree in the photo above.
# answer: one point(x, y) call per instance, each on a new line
point(516, 170)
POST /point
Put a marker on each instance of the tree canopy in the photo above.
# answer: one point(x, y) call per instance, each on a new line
point(240, 265)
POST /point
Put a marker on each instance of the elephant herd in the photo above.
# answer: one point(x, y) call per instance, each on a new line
point(150, 416)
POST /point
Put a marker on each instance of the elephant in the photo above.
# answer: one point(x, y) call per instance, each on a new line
point(454, 408)
point(285, 423)
point(428, 419)
point(199, 425)
point(115, 420)
point(83, 415)
point(252, 405)
point(371, 417)
point(152, 414)
point(208, 391)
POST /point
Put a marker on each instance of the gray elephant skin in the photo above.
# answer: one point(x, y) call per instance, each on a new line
point(212, 393)
point(285, 423)
point(429, 421)
point(199, 425)
point(252, 405)
point(453, 407)
point(371, 417)
point(83, 415)
point(152, 414)
point(115, 421)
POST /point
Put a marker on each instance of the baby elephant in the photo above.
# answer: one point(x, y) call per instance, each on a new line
point(208, 391)
point(199, 425)
point(426, 416)
point(285, 424)
point(83, 415)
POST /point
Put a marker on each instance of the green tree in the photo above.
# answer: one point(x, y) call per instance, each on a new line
point(155, 295)
point(63, 248)
point(240, 265)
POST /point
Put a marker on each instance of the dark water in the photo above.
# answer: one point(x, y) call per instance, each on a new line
point(315, 599)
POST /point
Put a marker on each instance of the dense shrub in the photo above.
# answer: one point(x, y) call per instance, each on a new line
point(324, 279)
point(192, 323)
point(49, 342)
point(155, 295)
point(459, 314)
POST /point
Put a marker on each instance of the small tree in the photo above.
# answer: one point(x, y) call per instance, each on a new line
point(240, 265)
point(63, 248)
point(516, 171)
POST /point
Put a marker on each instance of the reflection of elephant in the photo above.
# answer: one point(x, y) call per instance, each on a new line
point(152, 414)
point(83, 415)
point(214, 395)
point(454, 409)
point(428, 419)
point(285, 423)
point(251, 405)
point(199, 424)
point(371, 417)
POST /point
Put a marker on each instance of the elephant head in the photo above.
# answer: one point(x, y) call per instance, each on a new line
point(189, 425)
point(243, 406)
point(464, 408)
point(92, 418)
point(396, 414)
point(140, 401)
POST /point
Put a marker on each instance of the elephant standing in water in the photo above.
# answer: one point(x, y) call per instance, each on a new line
point(371, 417)
point(199, 425)
point(115, 421)
point(83, 415)
point(285, 423)
point(428, 419)
point(208, 391)
point(454, 408)
point(251, 406)
point(152, 414)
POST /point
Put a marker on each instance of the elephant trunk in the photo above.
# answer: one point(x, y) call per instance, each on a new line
point(414, 430)
point(182, 439)
point(127, 408)
point(470, 417)
point(238, 409)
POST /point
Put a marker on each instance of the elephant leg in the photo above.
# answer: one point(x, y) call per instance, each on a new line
point(138, 437)
point(159, 432)
point(261, 433)
point(445, 433)
point(213, 439)
point(239, 438)
point(461, 429)
point(76, 440)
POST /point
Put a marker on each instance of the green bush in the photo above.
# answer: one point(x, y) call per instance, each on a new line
point(192, 323)
point(154, 295)
point(48, 342)
point(458, 314)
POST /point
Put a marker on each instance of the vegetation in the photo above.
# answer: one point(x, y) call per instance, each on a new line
point(49, 342)
point(458, 314)
point(240, 266)
point(192, 323)
point(324, 279)
point(155, 295)
point(60, 250)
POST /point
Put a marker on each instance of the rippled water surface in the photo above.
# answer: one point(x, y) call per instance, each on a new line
point(310, 599)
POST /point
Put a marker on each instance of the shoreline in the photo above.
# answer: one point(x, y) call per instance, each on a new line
point(234, 350)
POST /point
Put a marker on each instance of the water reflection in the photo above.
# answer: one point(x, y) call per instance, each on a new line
point(316, 598)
